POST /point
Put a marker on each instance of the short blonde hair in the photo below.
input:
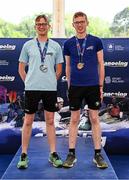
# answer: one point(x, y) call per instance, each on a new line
point(40, 17)
point(78, 14)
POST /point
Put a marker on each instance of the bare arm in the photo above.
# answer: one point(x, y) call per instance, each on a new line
point(67, 70)
point(58, 70)
point(21, 70)
point(101, 71)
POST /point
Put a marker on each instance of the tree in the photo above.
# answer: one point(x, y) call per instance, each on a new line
point(27, 26)
point(25, 29)
point(120, 24)
point(9, 30)
point(69, 30)
point(97, 27)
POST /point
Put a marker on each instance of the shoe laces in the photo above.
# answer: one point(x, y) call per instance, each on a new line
point(70, 156)
point(99, 156)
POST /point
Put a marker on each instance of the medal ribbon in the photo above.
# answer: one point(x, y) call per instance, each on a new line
point(81, 50)
point(44, 52)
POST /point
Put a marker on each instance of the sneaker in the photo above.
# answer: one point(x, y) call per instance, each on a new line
point(55, 160)
point(99, 161)
point(23, 162)
point(70, 161)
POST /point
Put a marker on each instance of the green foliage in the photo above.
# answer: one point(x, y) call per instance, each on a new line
point(25, 29)
point(69, 30)
point(99, 27)
point(9, 30)
point(96, 27)
point(120, 24)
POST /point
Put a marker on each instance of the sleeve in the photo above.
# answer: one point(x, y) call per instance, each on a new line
point(99, 45)
point(59, 55)
point(24, 54)
point(66, 51)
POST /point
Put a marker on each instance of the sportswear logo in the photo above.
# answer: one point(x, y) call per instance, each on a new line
point(97, 103)
point(27, 110)
point(90, 48)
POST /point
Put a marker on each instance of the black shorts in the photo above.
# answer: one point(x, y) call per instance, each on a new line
point(91, 95)
point(32, 99)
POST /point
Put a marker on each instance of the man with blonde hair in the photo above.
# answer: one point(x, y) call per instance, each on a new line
point(44, 58)
point(85, 74)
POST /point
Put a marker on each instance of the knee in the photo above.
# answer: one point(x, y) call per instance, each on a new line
point(50, 122)
point(94, 120)
point(75, 120)
point(28, 123)
point(28, 120)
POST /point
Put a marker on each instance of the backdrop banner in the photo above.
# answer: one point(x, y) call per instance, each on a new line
point(114, 113)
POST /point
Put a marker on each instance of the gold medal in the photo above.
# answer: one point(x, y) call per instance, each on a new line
point(80, 65)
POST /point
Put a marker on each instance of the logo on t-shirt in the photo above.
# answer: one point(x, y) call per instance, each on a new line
point(90, 48)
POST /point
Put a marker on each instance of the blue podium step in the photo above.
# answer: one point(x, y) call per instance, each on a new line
point(40, 168)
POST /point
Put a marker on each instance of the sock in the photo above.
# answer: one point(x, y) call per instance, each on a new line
point(97, 151)
point(23, 155)
point(72, 151)
point(54, 154)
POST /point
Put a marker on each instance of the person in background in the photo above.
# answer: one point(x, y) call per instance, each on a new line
point(44, 59)
point(85, 75)
point(84, 123)
point(63, 114)
point(57, 117)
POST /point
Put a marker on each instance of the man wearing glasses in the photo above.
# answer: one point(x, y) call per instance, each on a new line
point(85, 75)
point(44, 58)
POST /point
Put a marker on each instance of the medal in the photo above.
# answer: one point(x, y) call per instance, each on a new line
point(80, 51)
point(43, 68)
point(80, 65)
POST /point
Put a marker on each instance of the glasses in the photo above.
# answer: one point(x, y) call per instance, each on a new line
point(41, 24)
point(79, 22)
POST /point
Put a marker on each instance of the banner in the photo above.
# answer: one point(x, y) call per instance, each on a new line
point(114, 113)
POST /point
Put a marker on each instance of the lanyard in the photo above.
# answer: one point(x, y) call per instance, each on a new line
point(81, 50)
point(44, 52)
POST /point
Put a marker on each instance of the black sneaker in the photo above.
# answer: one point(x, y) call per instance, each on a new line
point(99, 161)
point(70, 161)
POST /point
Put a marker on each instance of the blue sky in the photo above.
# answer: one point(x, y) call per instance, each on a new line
point(14, 10)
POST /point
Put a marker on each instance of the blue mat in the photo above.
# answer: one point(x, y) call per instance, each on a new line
point(120, 164)
point(117, 142)
point(4, 162)
point(40, 168)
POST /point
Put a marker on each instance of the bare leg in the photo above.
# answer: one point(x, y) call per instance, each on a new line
point(26, 131)
point(73, 128)
point(50, 128)
point(96, 130)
